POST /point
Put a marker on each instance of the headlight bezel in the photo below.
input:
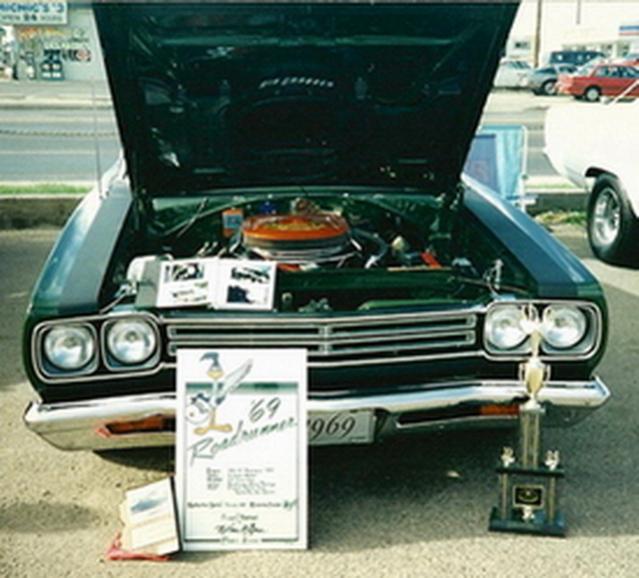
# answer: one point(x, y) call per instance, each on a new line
point(584, 349)
point(49, 368)
point(98, 370)
point(111, 362)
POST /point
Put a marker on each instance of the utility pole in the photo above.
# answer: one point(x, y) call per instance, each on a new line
point(538, 32)
point(578, 14)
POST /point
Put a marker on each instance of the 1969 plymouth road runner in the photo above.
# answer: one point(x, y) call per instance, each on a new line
point(327, 138)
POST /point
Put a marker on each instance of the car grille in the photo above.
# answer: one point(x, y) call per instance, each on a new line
point(337, 342)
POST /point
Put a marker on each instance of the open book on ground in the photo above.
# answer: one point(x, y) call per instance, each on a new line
point(149, 519)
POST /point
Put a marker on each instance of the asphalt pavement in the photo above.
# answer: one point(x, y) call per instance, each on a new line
point(417, 507)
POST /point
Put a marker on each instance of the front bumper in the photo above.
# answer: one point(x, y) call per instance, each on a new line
point(88, 424)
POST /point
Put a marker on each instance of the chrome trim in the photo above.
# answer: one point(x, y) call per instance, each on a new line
point(107, 356)
point(367, 339)
point(77, 425)
point(561, 355)
point(37, 350)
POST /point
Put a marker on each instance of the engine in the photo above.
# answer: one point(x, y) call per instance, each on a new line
point(307, 236)
point(307, 241)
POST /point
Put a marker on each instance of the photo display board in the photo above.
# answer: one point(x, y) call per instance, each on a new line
point(241, 449)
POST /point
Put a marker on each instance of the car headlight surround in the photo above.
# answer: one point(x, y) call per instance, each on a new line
point(130, 343)
point(503, 331)
point(569, 329)
point(69, 349)
point(563, 326)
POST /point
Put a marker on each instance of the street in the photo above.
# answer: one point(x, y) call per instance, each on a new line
point(416, 507)
point(58, 145)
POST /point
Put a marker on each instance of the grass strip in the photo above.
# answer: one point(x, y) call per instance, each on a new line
point(44, 189)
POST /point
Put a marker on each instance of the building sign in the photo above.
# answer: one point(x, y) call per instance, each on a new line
point(629, 29)
point(241, 446)
point(33, 12)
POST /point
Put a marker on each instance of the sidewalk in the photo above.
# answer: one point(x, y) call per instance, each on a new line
point(67, 94)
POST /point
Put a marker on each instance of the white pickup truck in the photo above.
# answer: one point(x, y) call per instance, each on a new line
point(597, 146)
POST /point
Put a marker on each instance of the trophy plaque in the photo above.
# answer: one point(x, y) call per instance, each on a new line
point(527, 485)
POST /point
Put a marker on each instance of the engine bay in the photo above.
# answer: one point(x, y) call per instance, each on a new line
point(331, 252)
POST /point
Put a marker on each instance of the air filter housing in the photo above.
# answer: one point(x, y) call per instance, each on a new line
point(298, 238)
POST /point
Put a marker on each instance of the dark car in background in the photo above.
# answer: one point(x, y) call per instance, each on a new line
point(342, 128)
point(574, 57)
point(592, 82)
point(543, 81)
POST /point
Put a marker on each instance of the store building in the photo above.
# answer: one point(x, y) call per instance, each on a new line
point(614, 41)
point(64, 50)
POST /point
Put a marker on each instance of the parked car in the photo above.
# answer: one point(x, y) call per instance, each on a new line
point(512, 74)
point(544, 80)
point(574, 57)
point(342, 129)
point(590, 83)
point(595, 146)
point(631, 58)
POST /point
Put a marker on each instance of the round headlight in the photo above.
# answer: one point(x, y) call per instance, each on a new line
point(563, 326)
point(504, 327)
point(131, 341)
point(69, 347)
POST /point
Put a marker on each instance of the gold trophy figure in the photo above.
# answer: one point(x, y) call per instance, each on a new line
point(528, 490)
point(534, 373)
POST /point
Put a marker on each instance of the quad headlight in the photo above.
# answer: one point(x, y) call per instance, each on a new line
point(504, 327)
point(131, 341)
point(566, 329)
point(563, 326)
point(70, 347)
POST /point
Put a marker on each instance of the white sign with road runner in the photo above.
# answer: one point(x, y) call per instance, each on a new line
point(241, 453)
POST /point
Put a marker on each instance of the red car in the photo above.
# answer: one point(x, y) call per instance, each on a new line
point(602, 79)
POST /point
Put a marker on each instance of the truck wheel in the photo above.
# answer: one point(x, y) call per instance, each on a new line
point(549, 87)
point(592, 93)
point(613, 229)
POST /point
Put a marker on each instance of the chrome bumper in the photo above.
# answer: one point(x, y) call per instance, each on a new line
point(83, 425)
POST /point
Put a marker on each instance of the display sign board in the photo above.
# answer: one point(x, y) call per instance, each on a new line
point(34, 12)
point(241, 448)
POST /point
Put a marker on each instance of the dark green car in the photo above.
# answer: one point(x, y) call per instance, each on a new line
point(327, 138)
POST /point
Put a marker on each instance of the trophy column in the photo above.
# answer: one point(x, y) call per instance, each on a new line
point(527, 488)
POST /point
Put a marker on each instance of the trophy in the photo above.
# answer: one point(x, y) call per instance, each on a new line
point(528, 486)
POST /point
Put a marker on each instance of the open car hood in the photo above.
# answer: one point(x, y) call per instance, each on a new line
point(227, 95)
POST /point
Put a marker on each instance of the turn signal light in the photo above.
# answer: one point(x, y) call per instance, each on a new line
point(494, 409)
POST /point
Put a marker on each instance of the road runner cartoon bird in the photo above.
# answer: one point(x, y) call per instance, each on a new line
point(221, 386)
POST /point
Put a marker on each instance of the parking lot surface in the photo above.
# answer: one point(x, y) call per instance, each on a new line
point(414, 507)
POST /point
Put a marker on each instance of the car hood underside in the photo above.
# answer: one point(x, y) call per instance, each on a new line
point(226, 95)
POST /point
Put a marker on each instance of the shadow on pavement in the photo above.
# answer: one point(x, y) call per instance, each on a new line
point(45, 516)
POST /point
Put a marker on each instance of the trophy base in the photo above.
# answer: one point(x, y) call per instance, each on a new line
point(538, 525)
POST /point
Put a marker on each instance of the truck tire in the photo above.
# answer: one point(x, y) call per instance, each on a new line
point(613, 229)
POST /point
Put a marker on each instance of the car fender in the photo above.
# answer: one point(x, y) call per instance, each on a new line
point(73, 274)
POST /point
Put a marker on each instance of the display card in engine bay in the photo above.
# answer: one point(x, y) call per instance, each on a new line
point(207, 282)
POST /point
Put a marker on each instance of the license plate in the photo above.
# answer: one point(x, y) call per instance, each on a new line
point(343, 427)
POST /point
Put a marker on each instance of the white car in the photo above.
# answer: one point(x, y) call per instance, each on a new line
point(512, 74)
point(595, 146)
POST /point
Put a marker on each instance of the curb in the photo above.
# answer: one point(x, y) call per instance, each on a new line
point(558, 201)
point(27, 211)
